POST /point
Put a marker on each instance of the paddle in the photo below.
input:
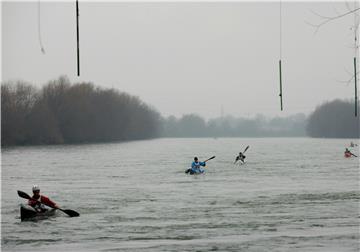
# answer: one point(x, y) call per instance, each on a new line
point(353, 154)
point(209, 159)
point(247, 147)
point(69, 212)
point(188, 170)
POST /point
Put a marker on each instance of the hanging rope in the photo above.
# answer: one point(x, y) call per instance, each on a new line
point(280, 52)
point(356, 102)
point(356, 47)
point(39, 29)
point(77, 38)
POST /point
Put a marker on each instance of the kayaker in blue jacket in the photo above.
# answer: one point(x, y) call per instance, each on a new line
point(196, 166)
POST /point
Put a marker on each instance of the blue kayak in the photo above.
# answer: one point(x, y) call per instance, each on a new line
point(195, 171)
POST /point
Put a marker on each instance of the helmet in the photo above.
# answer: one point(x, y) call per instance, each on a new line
point(195, 158)
point(35, 188)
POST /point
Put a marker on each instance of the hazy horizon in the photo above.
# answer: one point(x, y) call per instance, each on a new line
point(204, 58)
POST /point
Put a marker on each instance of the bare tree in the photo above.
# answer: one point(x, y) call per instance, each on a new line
point(349, 10)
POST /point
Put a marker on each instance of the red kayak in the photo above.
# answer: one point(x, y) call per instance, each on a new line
point(347, 154)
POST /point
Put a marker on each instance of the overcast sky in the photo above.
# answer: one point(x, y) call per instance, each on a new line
point(187, 57)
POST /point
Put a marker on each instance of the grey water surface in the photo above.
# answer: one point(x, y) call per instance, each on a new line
point(292, 194)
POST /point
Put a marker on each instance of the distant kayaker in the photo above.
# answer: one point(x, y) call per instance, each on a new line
point(37, 199)
point(196, 166)
point(241, 157)
point(348, 153)
point(352, 144)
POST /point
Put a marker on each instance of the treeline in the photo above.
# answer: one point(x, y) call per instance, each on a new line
point(61, 112)
point(192, 125)
point(335, 119)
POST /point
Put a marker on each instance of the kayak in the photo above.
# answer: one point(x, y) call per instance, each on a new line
point(346, 154)
point(29, 213)
point(195, 171)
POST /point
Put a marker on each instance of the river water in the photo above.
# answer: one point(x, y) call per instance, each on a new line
point(292, 194)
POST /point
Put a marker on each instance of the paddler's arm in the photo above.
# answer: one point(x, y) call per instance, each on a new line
point(49, 202)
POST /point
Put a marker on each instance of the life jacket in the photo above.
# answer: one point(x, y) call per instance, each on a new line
point(196, 167)
point(37, 203)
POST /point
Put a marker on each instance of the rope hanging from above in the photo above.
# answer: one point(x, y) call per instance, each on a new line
point(39, 29)
point(280, 52)
point(356, 48)
point(77, 38)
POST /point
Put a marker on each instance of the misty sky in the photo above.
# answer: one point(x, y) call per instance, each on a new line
point(187, 57)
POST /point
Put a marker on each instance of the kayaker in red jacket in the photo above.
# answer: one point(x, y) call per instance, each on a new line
point(348, 153)
point(37, 199)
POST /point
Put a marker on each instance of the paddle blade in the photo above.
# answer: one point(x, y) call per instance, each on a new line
point(209, 158)
point(247, 147)
point(23, 195)
point(70, 212)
